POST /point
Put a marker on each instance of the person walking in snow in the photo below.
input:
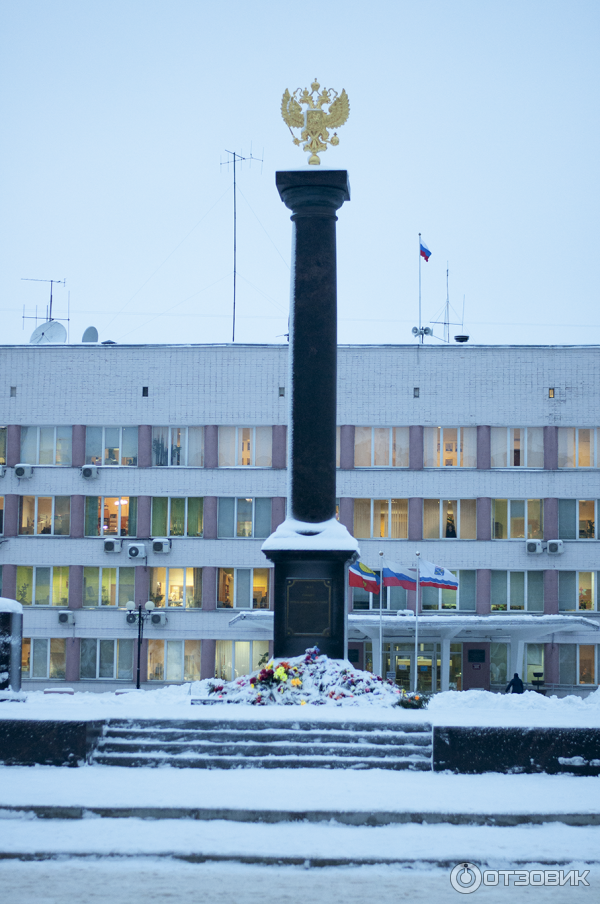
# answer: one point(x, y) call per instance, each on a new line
point(515, 685)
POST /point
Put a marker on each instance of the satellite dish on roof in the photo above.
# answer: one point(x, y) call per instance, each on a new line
point(90, 335)
point(50, 333)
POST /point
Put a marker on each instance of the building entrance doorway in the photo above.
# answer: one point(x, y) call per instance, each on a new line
point(400, 659)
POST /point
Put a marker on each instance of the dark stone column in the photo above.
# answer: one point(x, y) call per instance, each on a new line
point(310, 578)
point(279, 446)
point(11, 515)
point(483, 591)
point(78, 449)
point(550, 519)
point(484, 518)
point(144, 446)
point(211, 446)
point(208, 649)
point(13, 445)
point(347, 432)
point(77, 516)
point(210, 517)
point(144, 516)
point(550, 448)
point(415, 518)
point(484, 447)
point(415, 448)
point(551, 592)
point(75, 587)
point(277, 511)
point(209, 588)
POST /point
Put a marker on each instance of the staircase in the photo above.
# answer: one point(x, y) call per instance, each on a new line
point(225, 744)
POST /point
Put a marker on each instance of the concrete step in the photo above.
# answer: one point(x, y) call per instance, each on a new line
point(186, 761)
point(243, 747)
point(263, 725)
point(270, 736)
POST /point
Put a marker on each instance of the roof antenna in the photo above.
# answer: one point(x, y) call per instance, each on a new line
point(49, 317)
point(235, 157)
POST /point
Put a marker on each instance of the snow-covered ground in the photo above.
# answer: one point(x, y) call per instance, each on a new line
point(450, 708)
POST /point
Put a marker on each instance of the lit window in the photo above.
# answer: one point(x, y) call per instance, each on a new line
point(110, 516)
point(177, 516)
point(2, 445)
point(244, 517)
point(381, 447)
point(243, 588)
point(176, 587)
point(178, 446)
point(108, 586)
point(45, 515)
point(101, 658)
point(576, 447)
point(517, 447)
point(577, 519)
point(450, 447)
point(235, 658)
point(381, 518)
point(576, 591)
point(111, 446)
point(174, 660)
point(43, 585)
point(43, 657)
point(516, 519)
point(46, 445)
point(245, 446)
point(450, 519)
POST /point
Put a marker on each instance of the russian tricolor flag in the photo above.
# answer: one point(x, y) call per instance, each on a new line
point(398, 576)
point(425, 252)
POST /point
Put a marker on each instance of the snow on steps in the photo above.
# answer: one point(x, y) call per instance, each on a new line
point(226, 744)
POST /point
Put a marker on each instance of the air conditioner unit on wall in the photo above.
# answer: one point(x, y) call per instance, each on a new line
point(534, 547)
point(161, 545)
point(555, 547)
point(90, 472)
point(66, 618)
point(23, 472)
point(158, 618)
point(113, 544)
point(136, 551)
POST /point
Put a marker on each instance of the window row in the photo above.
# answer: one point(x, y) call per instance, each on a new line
point(396, 598)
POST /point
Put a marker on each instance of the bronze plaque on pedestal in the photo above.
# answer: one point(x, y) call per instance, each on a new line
point(308, 607)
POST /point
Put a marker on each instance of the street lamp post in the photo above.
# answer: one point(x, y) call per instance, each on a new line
point(140, 616)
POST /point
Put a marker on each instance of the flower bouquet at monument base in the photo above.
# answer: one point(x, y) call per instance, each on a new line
point(311, 679)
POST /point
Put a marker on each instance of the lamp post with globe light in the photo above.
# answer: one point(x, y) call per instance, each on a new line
point(140, 616)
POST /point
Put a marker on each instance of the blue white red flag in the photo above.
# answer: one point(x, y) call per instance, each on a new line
point(431, 575)
point(399, 576)
point(361, 576)
point(424, 250)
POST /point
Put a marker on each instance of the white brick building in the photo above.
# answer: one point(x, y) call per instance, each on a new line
point(469, 452)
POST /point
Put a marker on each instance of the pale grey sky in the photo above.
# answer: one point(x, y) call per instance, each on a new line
point(475, 123)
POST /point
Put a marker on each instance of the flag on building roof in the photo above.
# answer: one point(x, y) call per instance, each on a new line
point(399, 576)
point(425, 252)
point(431, 575)
point(361, 576)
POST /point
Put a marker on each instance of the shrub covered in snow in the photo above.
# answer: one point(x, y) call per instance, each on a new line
point(313, 679)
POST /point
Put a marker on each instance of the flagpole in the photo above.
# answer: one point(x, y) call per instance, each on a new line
point(381, 614)
point(418, 554)
point(420, 333)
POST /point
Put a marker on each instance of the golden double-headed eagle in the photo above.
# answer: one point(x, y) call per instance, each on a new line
point(314, 121)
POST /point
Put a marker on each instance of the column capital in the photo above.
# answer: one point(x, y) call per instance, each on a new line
point(313, 194)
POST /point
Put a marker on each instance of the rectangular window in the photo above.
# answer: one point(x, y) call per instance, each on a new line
point(111, 446)
point(517, 447)
point(577, 664)
point(243, 588)
point(463, 598)
point(576, 447)
point(381, 447)
point(44, 657)
point(174, 660)
point(514, 519)
point(576, 591)
point(108, 586)
point(450, 447)
point(176, 587)
point(110, 659)
point(577, 519)
point(2, 445)
point(450, 519)
point(178, 446)
point(44, 515)
point(244, 517)
point(47, 445)
point(499, 664)
point(235, 658)
point(110, 516)
point(245, 446)
point(392, 598)
point(43, 585)
point(534, 662)
point(587, 664)
point(381, 518)
point(517, 591)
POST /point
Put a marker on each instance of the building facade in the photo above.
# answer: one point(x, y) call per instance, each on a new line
point(463, 453)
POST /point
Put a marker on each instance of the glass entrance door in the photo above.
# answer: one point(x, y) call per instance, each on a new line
point(428, 666)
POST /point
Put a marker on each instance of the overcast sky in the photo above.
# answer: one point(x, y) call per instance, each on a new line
point(475, 123)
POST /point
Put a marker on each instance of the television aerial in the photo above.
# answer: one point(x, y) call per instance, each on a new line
point(50, 333)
